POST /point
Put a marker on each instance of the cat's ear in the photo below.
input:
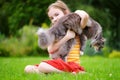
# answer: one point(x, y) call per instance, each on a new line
point(103, 39)
point(65, 22)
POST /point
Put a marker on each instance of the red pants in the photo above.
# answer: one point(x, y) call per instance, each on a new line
point(65, 66)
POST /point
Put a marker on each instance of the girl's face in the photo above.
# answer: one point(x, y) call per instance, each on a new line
point(55, 14)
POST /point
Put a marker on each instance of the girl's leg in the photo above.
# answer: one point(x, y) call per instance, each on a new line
point(43, 67)
point(47, 68)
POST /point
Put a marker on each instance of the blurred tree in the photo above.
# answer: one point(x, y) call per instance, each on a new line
point(112, 7)
point(107, 13)
point(16, 13)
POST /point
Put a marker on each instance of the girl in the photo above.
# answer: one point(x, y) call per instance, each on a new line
point(72, 64)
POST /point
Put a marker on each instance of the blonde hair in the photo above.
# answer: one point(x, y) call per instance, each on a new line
point(60, 5)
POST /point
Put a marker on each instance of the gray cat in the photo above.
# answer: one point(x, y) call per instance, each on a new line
point(57, 32)
point(92, 31)
point(59, 29)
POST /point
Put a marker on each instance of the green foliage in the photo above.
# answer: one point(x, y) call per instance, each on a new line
point(44, 25)
point(14, 14)
point(114, 54)
point(24, 44)
point(89, 50)
point(106, 51)
point(2, 37)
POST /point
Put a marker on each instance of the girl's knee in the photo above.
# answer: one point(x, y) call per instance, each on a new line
point(47, 68)
point(42, 67)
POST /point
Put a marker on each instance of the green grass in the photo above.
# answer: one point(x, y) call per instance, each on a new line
point(97, 68)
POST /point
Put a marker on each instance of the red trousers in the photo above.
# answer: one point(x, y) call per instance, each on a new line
point(65, 66)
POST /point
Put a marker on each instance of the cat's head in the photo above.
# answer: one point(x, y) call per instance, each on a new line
point(98, 44)
point(72, 21)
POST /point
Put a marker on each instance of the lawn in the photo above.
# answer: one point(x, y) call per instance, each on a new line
point(97, 68)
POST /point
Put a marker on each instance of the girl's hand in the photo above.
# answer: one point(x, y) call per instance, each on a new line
point(53, 48)
point(84, 18)
point(70, 34)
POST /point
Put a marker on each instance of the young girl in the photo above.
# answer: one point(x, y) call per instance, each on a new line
point(72, 63)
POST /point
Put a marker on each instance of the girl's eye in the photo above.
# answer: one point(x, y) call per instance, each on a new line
point(51, 18)
point(56, 14)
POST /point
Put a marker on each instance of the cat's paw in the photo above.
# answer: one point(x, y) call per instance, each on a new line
point(81, 53)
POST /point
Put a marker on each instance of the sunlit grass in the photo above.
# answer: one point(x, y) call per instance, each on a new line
point(97, 68)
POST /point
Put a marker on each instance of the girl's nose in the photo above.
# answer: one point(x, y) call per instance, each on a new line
point(54, 20)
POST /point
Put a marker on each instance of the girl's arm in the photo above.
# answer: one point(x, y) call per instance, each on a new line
point(55, 46)
point(84, 18)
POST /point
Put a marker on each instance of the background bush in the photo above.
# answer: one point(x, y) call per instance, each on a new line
point(114, 54)
point(15, 14)
point(25, 43)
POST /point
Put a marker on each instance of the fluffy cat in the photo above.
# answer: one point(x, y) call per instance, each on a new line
point(71, 21)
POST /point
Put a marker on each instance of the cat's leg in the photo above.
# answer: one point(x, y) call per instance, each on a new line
point(82, 43)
